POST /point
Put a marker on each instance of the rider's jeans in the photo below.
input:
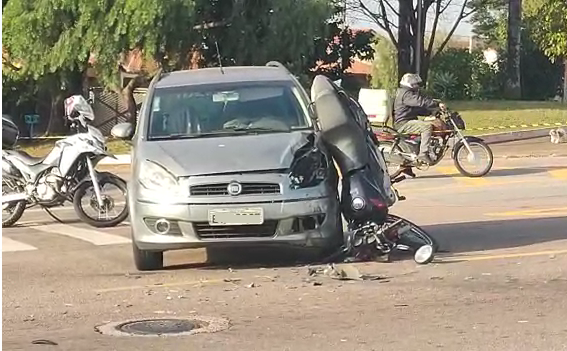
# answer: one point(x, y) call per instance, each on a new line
point(419, 127)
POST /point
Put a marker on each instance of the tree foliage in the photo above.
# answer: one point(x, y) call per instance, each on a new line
point(551, 29)
point(539, 76)
point(384, 66)
point(61, 39)
point(400, 20)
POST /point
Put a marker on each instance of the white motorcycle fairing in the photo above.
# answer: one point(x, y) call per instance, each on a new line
point(63, 156)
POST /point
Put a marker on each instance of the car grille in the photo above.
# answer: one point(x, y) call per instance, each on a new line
point(221, 189)
point(206, 231)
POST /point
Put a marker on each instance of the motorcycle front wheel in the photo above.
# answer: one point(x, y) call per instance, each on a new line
point(11, 212)
point(481, 159)
point(106, 216)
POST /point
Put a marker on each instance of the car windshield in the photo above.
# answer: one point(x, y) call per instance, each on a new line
point(220, 109)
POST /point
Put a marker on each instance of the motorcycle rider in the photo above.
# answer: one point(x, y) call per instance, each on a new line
point(410, 103)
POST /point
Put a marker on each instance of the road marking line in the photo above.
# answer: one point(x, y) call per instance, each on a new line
point(91, 236)
point(530, 212)
point(501, 256)
point(166, 285)
point(448, 170)
point(559, 173)
point(9, 245)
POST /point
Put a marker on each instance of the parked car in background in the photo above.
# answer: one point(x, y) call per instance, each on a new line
point(228, 157)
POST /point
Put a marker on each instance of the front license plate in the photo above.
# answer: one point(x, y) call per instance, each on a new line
point(236, 216)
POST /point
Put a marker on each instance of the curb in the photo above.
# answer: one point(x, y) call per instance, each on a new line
point(120, 160)
point(497, 138)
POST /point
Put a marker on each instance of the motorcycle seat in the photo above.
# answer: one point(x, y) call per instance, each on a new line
point(389, 133)
point(25, 157)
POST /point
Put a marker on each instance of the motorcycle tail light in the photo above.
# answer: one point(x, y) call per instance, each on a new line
point(378, 203)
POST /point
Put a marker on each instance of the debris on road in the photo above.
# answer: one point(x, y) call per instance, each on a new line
point(251, 285)
point(344, 272)
point(44, 342)
point(29, 318)
point(231, 280)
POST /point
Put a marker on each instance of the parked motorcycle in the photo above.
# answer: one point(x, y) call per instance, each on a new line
point(367, 190)
point(402, 149)
point(67, 173)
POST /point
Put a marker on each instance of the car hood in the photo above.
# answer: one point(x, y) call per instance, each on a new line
point(231, 154)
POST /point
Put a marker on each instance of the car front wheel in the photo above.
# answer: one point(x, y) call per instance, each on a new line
point(147, 260)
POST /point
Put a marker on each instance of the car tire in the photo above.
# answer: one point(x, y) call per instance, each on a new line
point(147, 260)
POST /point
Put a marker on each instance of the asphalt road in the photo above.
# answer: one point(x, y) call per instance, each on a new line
point(501, 286)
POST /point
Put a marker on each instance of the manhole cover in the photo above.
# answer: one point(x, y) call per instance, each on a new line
point(159, 326)
point(164, 326)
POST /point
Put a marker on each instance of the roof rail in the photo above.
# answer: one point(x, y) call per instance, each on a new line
point(276, 64)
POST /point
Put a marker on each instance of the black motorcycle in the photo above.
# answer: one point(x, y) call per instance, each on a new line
point(367, 192)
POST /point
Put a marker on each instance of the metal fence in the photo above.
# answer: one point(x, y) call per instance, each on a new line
point(110, 109)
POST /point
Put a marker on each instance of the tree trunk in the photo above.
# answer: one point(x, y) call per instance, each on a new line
point(128, 96)
point(404, 38)
point(56, 115)
point(513, 84)
point(565, 80)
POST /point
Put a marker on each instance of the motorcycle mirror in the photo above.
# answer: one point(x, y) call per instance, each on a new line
point(424, 254)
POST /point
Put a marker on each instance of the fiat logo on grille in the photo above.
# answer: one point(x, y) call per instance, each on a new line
point(234, 189)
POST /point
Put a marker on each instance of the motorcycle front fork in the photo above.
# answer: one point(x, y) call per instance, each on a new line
point(94, 179)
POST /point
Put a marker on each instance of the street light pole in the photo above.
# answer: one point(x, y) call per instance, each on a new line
point(419, 37)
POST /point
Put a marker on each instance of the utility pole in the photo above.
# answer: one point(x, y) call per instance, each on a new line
point(419, 38)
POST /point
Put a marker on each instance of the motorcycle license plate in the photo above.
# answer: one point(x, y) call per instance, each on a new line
point(236, 216)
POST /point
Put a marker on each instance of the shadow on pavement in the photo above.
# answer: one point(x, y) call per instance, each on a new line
point(503, 234)
point(498, 172)
point(251, 258)
point(452, 238)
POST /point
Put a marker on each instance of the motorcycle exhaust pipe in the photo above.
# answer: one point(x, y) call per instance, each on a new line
point(14, 197)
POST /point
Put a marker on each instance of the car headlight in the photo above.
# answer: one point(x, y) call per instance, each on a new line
point(154, 177)
point(309, 168)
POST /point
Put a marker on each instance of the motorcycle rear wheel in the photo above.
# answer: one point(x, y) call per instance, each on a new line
point(392, 163)
point(101, 222)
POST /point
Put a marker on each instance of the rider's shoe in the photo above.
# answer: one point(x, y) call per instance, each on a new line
point(408, 171)
point(424, 159)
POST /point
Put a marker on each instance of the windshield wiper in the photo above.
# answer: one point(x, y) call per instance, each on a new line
point(189, 136)
point(259, 129)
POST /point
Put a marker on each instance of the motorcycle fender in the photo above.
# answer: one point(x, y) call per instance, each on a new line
point(100, 175)
point(468, 139)
point(8, 169)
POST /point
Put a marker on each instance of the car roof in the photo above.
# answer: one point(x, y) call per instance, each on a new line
point(239, 74)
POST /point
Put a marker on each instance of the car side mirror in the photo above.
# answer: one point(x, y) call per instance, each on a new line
point(122, 131)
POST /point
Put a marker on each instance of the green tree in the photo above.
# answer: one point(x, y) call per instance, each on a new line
point(404, 17)
point(384, 66)
point(539, 76)
point(308, 36)
point(551, 32)
point(57, 39)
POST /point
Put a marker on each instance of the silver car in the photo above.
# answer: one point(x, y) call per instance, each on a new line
point(226, 157)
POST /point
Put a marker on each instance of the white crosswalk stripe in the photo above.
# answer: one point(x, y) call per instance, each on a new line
point(9, 245)
point(92, 236)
